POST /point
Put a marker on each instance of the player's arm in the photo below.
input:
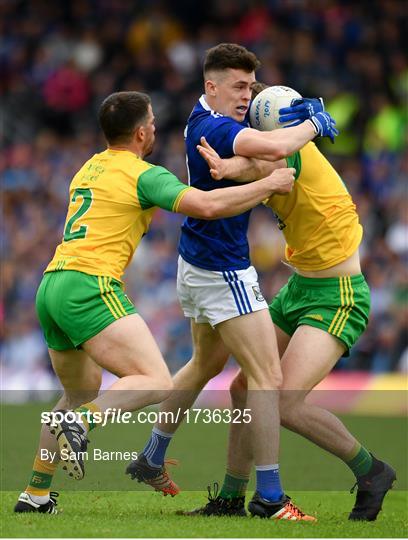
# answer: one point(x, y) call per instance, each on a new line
point(231, 201)
point(237, 168)
point(280, 143)
point(273, 145)
point(158, 187)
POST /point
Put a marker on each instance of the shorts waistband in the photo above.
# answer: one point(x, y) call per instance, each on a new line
point(303, 281)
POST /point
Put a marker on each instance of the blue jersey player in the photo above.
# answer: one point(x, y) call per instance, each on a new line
point(217, 286)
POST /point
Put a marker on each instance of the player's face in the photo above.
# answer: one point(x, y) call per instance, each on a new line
point(233, 89)
point(149, 129)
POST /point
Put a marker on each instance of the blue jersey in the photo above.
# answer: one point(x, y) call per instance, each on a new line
point(219, 244)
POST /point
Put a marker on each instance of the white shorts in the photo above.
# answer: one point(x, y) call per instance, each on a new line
point(214, 297)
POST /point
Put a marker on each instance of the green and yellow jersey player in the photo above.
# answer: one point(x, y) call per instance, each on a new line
point(318, 316)
point(322, 233)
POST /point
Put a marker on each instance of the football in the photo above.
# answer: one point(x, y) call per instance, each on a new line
point(264, 111)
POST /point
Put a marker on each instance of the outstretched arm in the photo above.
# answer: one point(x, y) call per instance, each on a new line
point(159, 187)
point(231, 201)
point(237, 168)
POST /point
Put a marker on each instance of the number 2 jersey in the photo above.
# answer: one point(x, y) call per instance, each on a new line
point(112, 201)
point(318, 217)
point(219, 244)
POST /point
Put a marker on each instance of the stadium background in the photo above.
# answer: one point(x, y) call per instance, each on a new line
point(59, 59)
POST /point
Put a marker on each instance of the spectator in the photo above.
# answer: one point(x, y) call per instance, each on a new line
point(60, 59)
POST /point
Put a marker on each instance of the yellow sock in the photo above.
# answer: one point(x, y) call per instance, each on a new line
point(86, 411)
point(41, 477)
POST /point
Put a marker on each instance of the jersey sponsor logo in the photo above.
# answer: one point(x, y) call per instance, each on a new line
point(315, 316)
point(257, 293)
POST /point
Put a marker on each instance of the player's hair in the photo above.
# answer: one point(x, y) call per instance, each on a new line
point(230, 55)
point(258, 87)
point(121, 114)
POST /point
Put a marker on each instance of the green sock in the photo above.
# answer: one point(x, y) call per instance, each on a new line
point(233, 486)
point(361, 463)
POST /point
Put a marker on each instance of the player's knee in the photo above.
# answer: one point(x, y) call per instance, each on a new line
point(288, 418)
point(169, 385)
point(288, 404)
point(274, 377)
point(94, 381)
point(162, 387)
point(238, 384)
point(213, 370)
point(238, 389)
point(265, 380)
point(208, 369)
point(166, 383)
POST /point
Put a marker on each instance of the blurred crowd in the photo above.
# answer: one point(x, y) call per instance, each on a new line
point(59, 59)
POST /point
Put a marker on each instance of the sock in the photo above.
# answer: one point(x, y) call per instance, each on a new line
point(86, 412)
point(156, 447)
point(268, 482)
point(39, 485)
point(361, 461)
point(234, 485)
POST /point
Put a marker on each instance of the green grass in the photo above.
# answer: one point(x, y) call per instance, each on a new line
point(149, 515)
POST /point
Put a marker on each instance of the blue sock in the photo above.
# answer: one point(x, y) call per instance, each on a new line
point(268, 482)
point(156, 447)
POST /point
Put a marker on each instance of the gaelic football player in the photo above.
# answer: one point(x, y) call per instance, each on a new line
point(217, 285)
point(318, 316)
point(88, 321)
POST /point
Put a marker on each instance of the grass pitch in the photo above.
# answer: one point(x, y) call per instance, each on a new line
point(150, 515)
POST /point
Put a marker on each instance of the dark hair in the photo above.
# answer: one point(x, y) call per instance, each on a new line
point(121, 114)
point(230, 55)
point(258, 87)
